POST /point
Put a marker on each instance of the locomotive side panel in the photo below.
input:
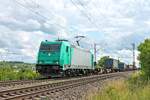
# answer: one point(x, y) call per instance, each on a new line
point(81, 58)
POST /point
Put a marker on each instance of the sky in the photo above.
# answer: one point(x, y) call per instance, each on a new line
point(113, 24)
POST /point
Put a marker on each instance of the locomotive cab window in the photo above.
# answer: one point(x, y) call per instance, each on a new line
point(67, 49)
point(50, 47)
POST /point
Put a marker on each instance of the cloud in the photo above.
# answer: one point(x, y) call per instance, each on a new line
point(114, 24)
point(58, 24)
point(21, 43)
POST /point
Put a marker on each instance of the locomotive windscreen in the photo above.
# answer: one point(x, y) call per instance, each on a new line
point(50, 47)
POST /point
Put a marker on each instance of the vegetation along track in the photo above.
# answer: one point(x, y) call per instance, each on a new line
point(48, 89)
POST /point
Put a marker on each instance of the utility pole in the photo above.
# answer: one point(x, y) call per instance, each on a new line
point(118, 60)
point(95, 52)
point(133, 45)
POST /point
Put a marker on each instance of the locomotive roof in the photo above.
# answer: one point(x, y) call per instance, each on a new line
point(72, 45)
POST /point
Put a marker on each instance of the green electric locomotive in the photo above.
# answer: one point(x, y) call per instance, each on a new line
point(61, 58)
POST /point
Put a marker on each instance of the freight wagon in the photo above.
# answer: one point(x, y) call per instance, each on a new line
point(60, 58)
point(122, 66)
point(129, 67)
point(111, 64)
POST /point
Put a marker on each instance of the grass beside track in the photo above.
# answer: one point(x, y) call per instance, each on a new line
point(132, 89)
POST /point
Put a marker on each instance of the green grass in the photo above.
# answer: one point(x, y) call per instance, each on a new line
point(135, 88)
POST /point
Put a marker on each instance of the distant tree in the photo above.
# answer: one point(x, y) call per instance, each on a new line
point(101, 62)
point(144, 57)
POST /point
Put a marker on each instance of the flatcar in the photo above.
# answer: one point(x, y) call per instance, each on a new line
point(61, 58)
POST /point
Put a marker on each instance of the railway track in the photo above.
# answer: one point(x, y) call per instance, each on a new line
point(38, 91)
point(23, 82)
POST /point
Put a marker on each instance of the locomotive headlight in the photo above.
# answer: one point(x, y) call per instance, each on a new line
point(49, 54)
point(56, 62)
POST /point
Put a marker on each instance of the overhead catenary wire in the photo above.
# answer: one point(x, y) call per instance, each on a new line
point(46, 18)
point(89, 17)
point(82, 11)
point(41, 7)
point(30, 4)
point(37, 13)
point(30, 9)
point(85, 7)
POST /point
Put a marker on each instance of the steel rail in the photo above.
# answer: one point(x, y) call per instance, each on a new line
point(21, 82)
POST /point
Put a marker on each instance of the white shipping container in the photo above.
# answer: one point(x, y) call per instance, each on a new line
point(115, 63)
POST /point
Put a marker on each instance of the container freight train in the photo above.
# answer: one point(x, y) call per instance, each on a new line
point(113, 65)
point(122, 66)
point(60, 58)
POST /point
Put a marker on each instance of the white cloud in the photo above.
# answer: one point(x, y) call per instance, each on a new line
point(115, 24)
point(14, 24)
point(21, 43)
point(2, 51)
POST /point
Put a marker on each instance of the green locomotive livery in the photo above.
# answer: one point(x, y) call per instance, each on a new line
point(61, 58)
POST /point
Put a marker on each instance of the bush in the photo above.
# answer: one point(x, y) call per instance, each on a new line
point(144, 58)
point(135, 88)
point(9, 72)
point(119, 90)
point(27, 74)
point(101, 62)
